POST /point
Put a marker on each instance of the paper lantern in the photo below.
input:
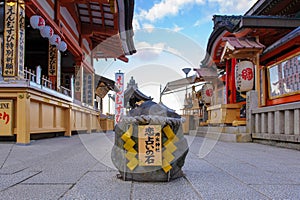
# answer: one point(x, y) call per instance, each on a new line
point(37, 22)
point(62, 46)
point(207, 92)
point(55, 40)
point(47, 32)
point(244, 76)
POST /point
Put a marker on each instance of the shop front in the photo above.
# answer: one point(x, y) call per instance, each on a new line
point(47, 58)
point(257, 57)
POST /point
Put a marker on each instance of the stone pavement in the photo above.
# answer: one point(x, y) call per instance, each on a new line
point(80, 168)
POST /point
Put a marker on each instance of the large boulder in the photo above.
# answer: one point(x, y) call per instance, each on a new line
point(174, 146)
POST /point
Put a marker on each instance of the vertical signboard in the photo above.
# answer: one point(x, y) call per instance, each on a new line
point(78, 82)
point(10, 39)
point(52, 64)
point(119, 101)
point(149, 145)
point(21, 38)
point(6, 118)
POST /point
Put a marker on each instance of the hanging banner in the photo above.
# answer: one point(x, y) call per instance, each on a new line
point(90, 89)
point(10, 39)
point(119, 101)
point(78, 81)
point(21, 38)
point(149, 145)
point(54, 66)
point(6, 117)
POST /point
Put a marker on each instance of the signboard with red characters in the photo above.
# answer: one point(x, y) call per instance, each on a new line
point(244, 76)
point(6, 118)
point(119, 101)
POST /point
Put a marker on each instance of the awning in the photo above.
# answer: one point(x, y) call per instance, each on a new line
point(241, 47)
point(107, 23)
point(103, 85)
point(180, 83)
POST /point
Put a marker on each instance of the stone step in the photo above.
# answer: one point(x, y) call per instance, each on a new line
point(226, 134)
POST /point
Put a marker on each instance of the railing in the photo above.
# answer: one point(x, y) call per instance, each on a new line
point(65, 91)
point(280, 122)
point(44, 81)
point(47, 82)
point(29, 75)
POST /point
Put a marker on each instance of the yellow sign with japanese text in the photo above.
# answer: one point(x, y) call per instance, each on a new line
point(10, 40)
point(150, 145)
point(6, 107)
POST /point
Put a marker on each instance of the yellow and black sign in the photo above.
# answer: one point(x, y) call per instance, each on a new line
point(6, 107)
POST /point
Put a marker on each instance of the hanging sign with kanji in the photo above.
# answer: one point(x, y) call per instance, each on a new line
point(149, 145)
point(119, 101)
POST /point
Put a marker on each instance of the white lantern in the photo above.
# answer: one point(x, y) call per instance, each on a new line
point(62, 46)
point(47, 32)
point(55, 40)
point(207, 92)
point(244, 76)
point(37, 22)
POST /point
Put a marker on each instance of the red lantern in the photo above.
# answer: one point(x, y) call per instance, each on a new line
point(47, 32)
point(55, 40)
point(37, 22)
point(62, 46)
point(244, 76)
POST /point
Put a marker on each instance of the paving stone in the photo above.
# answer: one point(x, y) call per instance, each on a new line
point(281, 191)
point(177, 189)
point(220, 185)
point(13, 179)
point(100, 185)
point(78, 168)
point(34, 192)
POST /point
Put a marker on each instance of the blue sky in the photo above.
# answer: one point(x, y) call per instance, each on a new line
point(169, 35)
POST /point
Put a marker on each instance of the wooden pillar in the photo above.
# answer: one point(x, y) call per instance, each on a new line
point(227, 82)
point(69, 120)
point(14, 40)
point(23, 118)
point(263, 86)
point(89, 123)
point(257, 79)
point(232, 80)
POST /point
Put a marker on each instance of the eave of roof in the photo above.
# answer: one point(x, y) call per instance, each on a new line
point(107, 25)
point(233, 24)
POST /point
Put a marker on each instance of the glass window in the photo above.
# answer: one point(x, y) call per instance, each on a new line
point(283, 78)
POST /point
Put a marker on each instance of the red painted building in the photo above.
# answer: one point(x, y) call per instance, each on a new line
point(258, 51)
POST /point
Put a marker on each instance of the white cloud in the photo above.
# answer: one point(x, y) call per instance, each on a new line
point(147, 51)
point(176, 28)
point(148, 27)
point(233, 6)
point(166, 8)
point(203, 20)
point(135, 24)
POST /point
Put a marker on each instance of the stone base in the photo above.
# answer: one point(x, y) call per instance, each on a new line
point(226, 134)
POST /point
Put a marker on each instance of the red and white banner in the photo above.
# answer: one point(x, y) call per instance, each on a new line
point(119, 101)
